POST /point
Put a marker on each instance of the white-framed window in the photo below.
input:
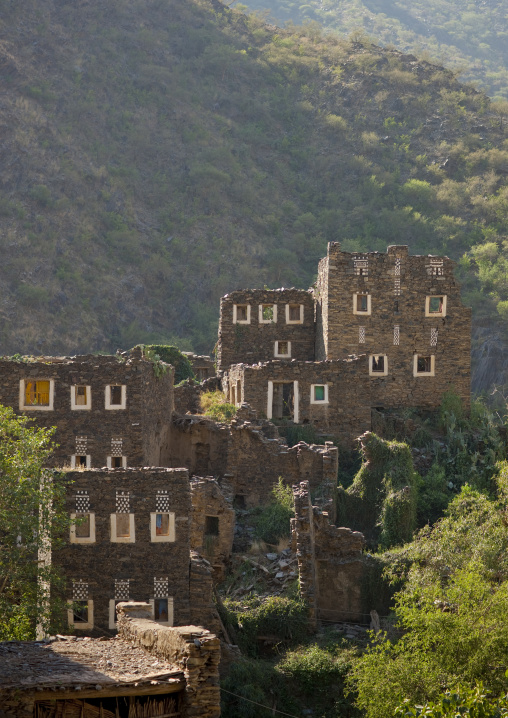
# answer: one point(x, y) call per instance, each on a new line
point(435, 305)
point(162, 527)
point(116, 396)
point(36, 394)
point(116, 462)
point(268, 314)
point(162, 610)
point(294, 313)
point(362, 304)
point(424, 365)
point(241, 313)
point(82, 529)
point(319, 393)
point(282, 349)
point(80, 616)
point(81, 397)
point(378, 365)
point(122, 528)
point(81, 460)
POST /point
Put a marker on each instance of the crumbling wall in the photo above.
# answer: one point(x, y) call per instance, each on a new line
point(252, 340)
point(330, 562)
point(202, 606)
point(198, 443)
point(192, 648)
point(213, 524)
point(187, 394)
point(202, 365)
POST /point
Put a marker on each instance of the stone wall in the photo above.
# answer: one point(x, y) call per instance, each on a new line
point(202, 365)
point(397, 323)
point(330, 562)
point(344, 413)
point(137, 432)
point(252, 340)
point(101, 570)
point(212, 525)
point(187, 394)
point(196, 650)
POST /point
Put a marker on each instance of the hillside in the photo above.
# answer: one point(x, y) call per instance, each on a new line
point(470, 38)
point(158, 154)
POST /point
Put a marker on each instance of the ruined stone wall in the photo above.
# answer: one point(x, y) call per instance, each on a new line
point(143, 566)
point(202, 607)
point(213, 524)
point(345, 411)
point(139, 430)
point(397, 322)
point(198, 443)
point(251, 340)
point(330, 562)
point(187, 394)
point(196, 650)
point(203, 366)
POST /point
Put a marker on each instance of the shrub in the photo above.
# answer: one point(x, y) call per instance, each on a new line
point(274, 521)
point(171, 355)
point(215, 405)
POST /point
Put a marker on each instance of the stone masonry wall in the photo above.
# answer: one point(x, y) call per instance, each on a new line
point(255, 341)
point(345, 414)
point(396, 326)
point(213, 524)
point(330, 562)
point(111, 570)
point(196, 650)
point(142, 426)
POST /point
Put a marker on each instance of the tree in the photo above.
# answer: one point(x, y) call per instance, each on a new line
point(32, 517)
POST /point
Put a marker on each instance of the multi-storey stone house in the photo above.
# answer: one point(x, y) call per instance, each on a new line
point(378, 330)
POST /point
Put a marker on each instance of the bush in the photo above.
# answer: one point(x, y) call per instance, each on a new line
point(215, 405)
point(171, 355)
point(474, 702)
point(274, 521)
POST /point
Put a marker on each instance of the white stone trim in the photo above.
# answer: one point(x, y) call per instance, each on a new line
point(162, 539)
point(81, 626)
point(88, 461)
point(369, 304)
point(277, 353)
point(296, 392)
point(109, 461)
point(36, 407)
point(269, 403)
point(428, 313)
point(268, 321)
point(432, 371)
point(114, 407)
point(235, 318)
point(318, 401)
point(78, 407)
point(371, 362)
point(123, 539)
point(294, 321)
point(81, 539)
point(171, 611)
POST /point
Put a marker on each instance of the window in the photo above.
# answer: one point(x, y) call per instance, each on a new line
point(81, 397)
point(162, 527)
point(82, 529)
point(116, 396)
point(378, 365)
point(319, 394)
point(116, 462)
point(241, 313)
point(211, 525)
point(282, 349)
point(163, 610)
point(122, 528)
point(81, 614)
point(294, 313)
point(435, 306)
point(36, 395)
point(267, 313)
point(423, 365)
point(362, 304)
point(81, 460)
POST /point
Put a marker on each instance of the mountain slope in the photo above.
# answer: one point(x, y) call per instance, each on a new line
point(158, 154)
point(469, 37)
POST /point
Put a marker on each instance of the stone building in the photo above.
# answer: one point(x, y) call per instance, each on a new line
point(147, 670)
point(378, 331)
point(130, 539)
point(110, 411)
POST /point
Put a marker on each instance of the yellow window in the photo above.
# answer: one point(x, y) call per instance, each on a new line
point(37, 392)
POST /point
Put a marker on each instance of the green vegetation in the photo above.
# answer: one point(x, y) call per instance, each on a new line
point(215, 405)
point(273, 522)
point(31, 515)
point(474, 702)
point(470, 38)
point(170, 355)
